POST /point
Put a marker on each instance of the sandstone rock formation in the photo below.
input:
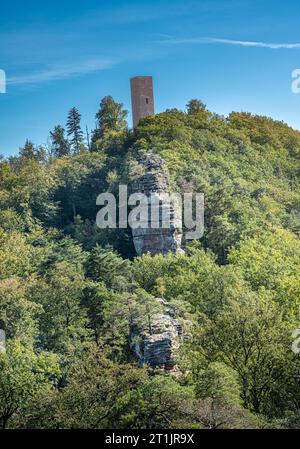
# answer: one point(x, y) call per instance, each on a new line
point(158, 348)
point(154, 184)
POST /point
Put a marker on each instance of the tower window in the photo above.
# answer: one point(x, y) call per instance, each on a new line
point(147, 100)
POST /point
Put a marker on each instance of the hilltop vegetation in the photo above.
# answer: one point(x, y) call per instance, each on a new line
point(68, 290)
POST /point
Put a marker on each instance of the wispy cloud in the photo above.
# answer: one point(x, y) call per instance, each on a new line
point(210, 40)
point(61, 71)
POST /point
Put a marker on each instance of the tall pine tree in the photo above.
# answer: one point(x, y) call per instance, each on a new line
point(74, 130)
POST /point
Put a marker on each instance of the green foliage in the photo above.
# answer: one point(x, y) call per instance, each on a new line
point(30, 152)
point(60, 145)
point(107, 266)
point(74, 130)
point(155, 405)
point(63, 322)
point(90, 399)
point(195, 106)
point(219, 383)
point(74, 299)
point(251, 337)
point(18, 256)
point(111, 116)
point(22, 375)
point(18, 313)
point(79, 179)
point(272, 262)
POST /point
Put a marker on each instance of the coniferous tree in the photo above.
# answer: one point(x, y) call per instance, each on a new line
point(28, 150)
point(60, 145)
point(32, 152)
point(74, 129)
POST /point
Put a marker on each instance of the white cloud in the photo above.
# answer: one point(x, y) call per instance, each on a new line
point(230, 42)
point(61, 71)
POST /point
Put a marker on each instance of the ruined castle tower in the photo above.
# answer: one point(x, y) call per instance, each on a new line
point(141, 97)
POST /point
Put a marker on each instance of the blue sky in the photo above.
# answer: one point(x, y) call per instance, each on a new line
point(234, 55)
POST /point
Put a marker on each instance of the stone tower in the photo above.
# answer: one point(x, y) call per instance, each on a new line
point(141, 97)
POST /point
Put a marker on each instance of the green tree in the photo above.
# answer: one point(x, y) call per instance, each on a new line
point(89, 400)
point(195, 106)
point(110, 117)
point(22, 375)
point(250, 337)
point(28, 151)
point(74, 130)
point(18, 315)
point(95, 298)
point(60, 145)
point(106, 265)
point(271, 260)
point(157, 404)
point(80, 179)
point(218, 382)
point(63, 323)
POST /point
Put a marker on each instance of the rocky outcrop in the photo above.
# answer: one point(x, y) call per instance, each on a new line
point(154, 184)
point(158, 348)
point(2, 340)
point(157, 345)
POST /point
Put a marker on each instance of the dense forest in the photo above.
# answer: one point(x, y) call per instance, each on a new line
point(69, 290)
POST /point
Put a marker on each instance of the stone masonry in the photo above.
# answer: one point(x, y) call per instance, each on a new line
point(141, 98)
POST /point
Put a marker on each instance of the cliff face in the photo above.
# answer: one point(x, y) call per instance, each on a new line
point(154, 183)
point(157, 347)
